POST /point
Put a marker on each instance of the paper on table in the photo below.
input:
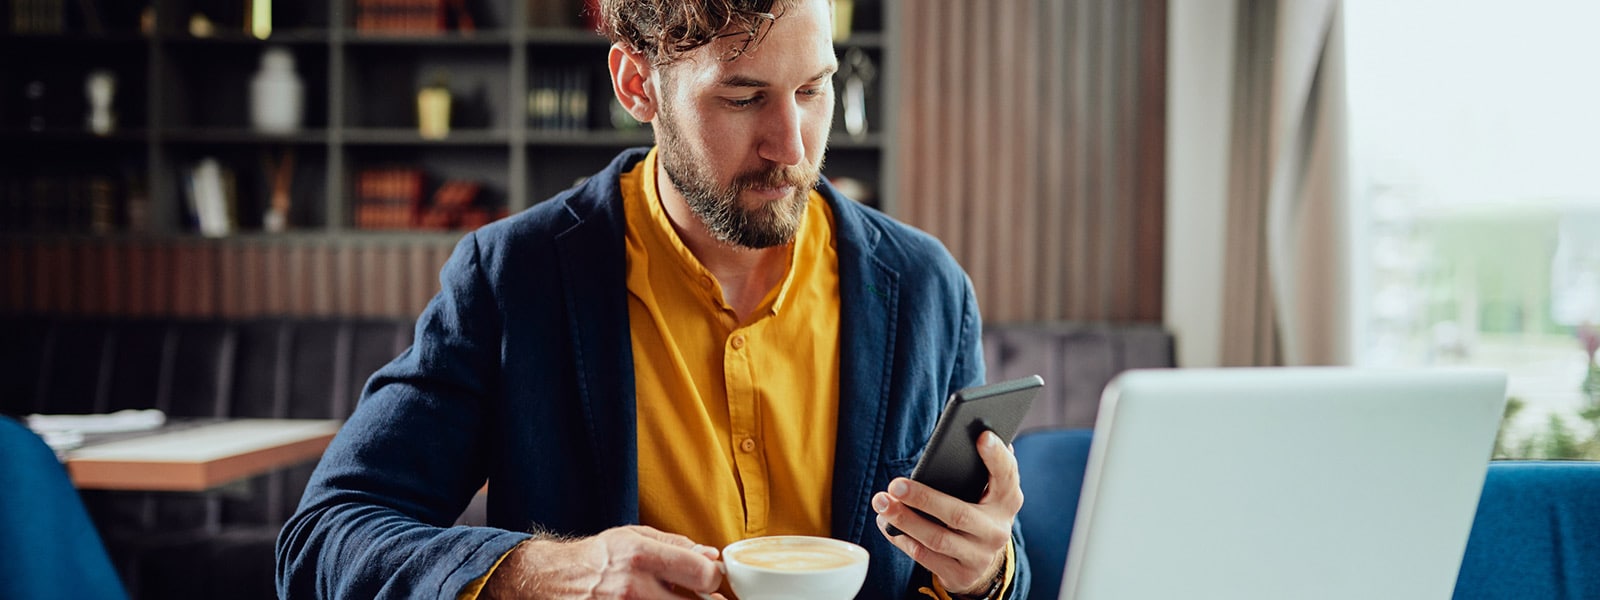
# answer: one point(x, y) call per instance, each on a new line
point(122, 420)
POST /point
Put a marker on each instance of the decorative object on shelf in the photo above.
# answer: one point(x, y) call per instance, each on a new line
point(281, 173)
point(200, 25)
point(147, 20)
point(100, 87)
point(433, 109)
point(843, 10)
point(857, 72)
point(453, 207)
point(258, 19)
point(277, 97)
point(34, 91)
point(212, 197)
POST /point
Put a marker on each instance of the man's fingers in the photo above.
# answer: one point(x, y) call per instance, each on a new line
point(1005, 485)
point(686, 566)
point(674, 539)
point(946, 508)
point(909, 543)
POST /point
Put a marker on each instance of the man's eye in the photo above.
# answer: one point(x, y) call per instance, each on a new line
point(742, 102)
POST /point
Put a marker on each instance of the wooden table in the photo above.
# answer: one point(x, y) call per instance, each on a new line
point(200, 458)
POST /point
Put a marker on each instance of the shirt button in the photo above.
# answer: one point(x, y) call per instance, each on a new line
point(748, 445)
point(738, 342)
point(706, 281)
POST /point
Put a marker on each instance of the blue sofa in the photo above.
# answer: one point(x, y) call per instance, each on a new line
point(1536, 534)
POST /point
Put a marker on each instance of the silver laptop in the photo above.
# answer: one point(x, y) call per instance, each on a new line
point(1279, 483)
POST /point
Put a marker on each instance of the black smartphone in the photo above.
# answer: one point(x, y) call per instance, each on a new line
point(950, 461)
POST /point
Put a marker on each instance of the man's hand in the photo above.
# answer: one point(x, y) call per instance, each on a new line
point(624, 562)
point(970, 549)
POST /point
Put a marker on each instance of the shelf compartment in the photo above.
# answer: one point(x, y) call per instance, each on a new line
point(487, 167)
point(61, 103)
point(381, 85)
point(73, 187)
point(252, 184)
point(208, 85)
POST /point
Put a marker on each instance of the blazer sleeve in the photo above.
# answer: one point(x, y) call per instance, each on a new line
point(375, 520)
point(968, 372)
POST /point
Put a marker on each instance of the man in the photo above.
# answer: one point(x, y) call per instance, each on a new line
point(700, 344)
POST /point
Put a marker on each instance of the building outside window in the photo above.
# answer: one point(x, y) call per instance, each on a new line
point(1475, 141)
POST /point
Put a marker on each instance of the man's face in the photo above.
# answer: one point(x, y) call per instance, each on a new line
point(743, 140)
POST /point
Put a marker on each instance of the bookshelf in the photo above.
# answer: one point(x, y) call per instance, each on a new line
point(531, 110)
point(99, 224)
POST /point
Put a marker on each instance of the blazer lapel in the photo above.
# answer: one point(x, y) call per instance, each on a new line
point(593, 272)
point(867, 307)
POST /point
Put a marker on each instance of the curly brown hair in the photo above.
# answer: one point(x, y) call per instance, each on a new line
point(665, 29)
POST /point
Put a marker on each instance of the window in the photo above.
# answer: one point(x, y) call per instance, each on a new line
point(1475, 164)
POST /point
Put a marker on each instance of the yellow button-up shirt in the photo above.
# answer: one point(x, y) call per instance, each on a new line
point(736, 421)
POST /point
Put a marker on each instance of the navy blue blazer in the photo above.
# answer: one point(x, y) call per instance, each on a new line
point(522, 375)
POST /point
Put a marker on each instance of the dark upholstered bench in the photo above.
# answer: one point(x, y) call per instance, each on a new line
point(219, 543)
point(1076, 360)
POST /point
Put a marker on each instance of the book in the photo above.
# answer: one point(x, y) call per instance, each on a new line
point(388, 197)
point(212, 193)
point(407, 17)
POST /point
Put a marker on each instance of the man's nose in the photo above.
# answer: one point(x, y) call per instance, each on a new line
point(782, 141)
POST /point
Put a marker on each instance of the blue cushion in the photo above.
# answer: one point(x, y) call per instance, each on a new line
point(48, 547)
point(1537, 533)
point(1051, 463)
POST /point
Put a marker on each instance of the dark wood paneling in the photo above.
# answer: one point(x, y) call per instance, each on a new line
point(219, 278)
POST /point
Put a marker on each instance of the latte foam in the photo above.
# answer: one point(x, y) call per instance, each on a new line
point(794, 556)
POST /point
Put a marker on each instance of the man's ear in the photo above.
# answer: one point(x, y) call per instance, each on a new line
point(631, 81)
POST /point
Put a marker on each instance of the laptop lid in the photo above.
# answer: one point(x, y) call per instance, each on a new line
point(1274, 483)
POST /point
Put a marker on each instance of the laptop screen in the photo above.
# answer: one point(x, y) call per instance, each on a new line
point(1275, 483)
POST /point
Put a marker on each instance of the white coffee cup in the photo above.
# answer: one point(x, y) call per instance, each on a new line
point(795, 567)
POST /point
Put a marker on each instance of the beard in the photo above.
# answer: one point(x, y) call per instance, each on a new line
point(718, 206)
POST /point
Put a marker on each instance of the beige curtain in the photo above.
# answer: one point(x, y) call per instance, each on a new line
point(1285, 291)
point(1030, 139)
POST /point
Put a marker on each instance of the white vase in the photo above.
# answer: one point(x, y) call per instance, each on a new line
point(277, 98)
